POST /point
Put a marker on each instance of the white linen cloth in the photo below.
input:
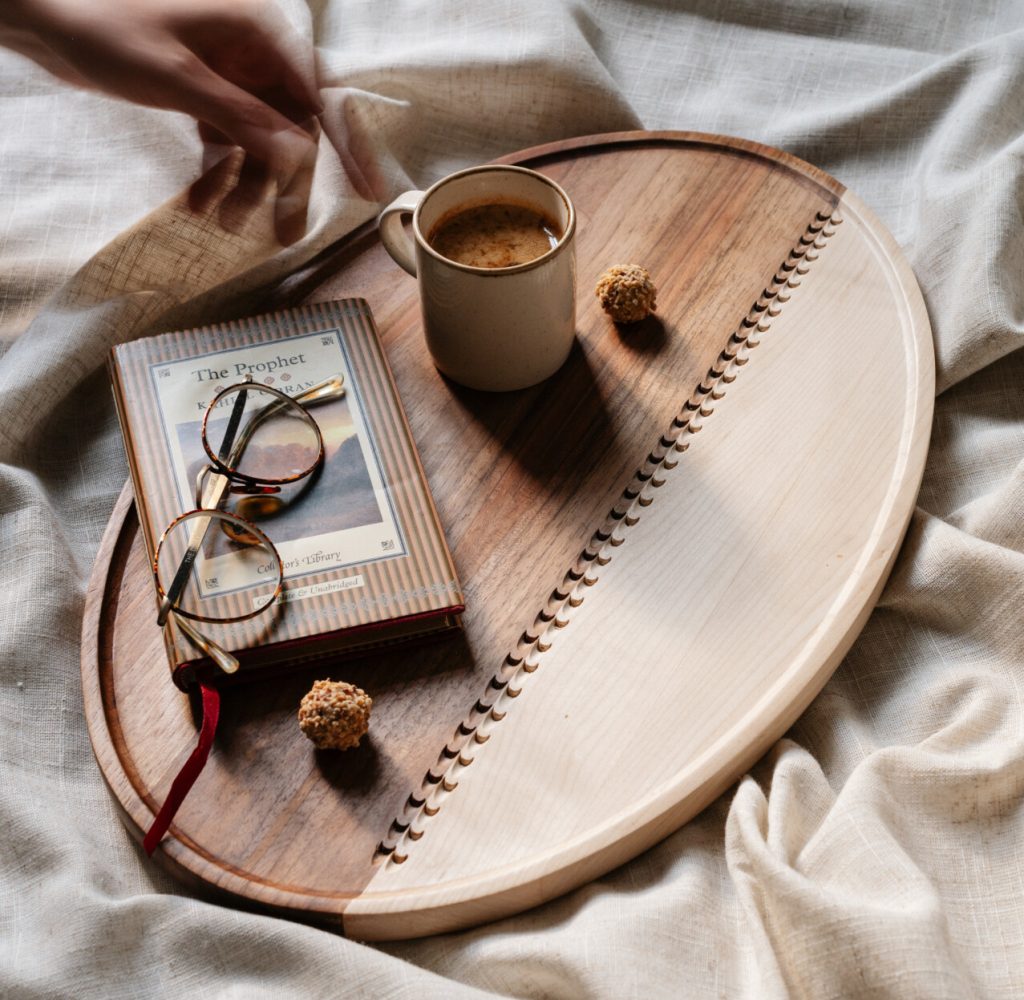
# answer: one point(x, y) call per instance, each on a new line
point(878, 850)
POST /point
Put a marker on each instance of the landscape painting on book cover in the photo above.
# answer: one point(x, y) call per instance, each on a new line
point(341, 496)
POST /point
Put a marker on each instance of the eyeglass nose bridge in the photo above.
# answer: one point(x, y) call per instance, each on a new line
point(210, 500)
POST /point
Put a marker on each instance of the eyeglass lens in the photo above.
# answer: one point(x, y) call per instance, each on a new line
point(235, 563)
point(268, 437)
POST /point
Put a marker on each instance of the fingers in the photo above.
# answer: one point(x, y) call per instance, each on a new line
point(236, 66)
point(231, 180)
point(238, 197)
point(257, 61)
point(291, 207)
point(302, 91)
point(214, 181)
point(242, 117)
point(257, 49)
point(247, 195)
point(355, 150)
point(267, 136)
point(264, 69)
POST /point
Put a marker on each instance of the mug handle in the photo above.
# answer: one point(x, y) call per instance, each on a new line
point(393, 235)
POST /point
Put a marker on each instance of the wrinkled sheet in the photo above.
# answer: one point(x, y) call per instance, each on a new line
point(878, 849)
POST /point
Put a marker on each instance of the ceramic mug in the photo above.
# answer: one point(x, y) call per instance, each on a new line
point(490, 328)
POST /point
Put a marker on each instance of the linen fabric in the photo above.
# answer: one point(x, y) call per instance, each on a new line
point(877, 850)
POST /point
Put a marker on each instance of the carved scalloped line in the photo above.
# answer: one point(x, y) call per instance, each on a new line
point(505, 686)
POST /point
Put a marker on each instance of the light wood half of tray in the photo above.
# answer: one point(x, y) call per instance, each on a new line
point(667, 549)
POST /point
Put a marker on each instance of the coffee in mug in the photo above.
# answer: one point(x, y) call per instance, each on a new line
point(497, 234)
point(493, 251)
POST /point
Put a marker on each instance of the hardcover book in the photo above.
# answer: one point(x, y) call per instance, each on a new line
point(363, 552)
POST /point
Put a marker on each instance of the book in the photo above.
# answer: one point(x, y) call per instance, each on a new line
point(363, 551)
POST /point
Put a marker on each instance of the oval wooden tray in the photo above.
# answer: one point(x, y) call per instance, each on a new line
point(667, 548)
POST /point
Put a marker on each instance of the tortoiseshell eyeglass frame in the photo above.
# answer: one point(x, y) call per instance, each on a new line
point(219, 478)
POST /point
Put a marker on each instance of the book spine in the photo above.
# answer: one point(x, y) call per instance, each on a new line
point(129, 440)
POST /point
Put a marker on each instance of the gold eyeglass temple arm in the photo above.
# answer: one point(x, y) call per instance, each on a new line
point(331, 388)
point(223, 659)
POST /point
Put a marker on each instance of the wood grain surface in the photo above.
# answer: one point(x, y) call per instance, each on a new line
point(666, 549)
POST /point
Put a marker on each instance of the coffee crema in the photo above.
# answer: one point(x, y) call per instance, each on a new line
point(495, 235)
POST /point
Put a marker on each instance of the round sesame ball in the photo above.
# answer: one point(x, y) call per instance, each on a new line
point(626, 292)
point(335, 715)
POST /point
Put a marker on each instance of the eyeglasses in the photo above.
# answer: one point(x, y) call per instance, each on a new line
point(257, 439)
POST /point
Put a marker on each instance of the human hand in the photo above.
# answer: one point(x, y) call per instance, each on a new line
point(235, 66)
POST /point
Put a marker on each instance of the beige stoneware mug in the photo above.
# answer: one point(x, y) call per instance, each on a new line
point(490, 328)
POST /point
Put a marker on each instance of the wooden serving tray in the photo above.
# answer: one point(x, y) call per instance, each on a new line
point(666, 548)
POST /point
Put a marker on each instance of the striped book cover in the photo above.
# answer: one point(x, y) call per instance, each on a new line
point(364, 556)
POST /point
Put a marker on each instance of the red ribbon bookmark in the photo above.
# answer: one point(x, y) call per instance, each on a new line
point(192, 768)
